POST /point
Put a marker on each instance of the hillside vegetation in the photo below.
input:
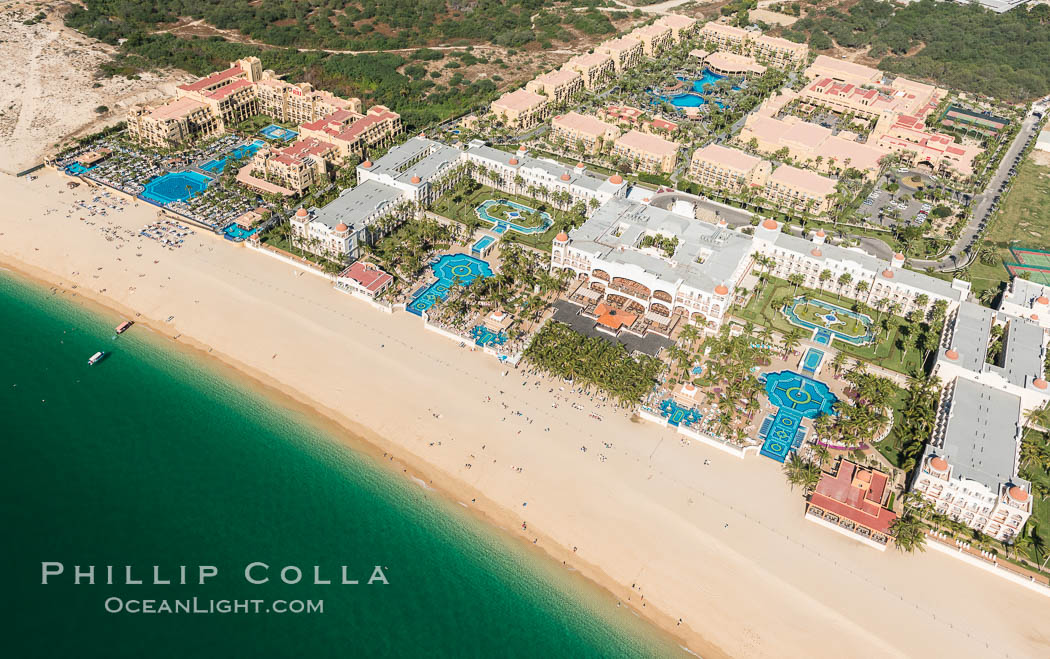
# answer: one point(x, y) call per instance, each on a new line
point(960, 46)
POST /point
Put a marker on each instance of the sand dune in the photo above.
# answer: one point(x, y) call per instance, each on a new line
point(723, 546)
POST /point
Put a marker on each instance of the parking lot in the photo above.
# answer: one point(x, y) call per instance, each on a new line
point(884, 208)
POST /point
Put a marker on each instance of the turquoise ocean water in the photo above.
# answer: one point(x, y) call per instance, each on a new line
point(158, 457)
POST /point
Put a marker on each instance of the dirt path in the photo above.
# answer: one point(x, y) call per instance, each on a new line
point(33, 90)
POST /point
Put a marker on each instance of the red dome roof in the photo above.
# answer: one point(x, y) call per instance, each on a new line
point(416, 180)
point(1042, 299)
point(301, 213)
point(366, 164)
point(816, 252)
point(770, 224)
point(1039, 383)
point(580, 165)
point(616, 179)
point(341, 227)
point(888, 274)
point(522, 148)
point(722, 222)
point(1034, 316)
point(1017, 494)
point(561, 237)
point(513, 161)
point(820, 233)
point(721, 289)
point(939, 463)
point(565, 176)
point(951, 354)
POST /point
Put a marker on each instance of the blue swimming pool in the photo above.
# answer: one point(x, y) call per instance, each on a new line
point(831, 322)
point(797, 397)
point(76, 169)
point(237, 233)
point(219, 164)
point(175, 186)
point(677, 415)
point(483, 336)
point(449, 269)
point(481, 247)
point(501, 226)
point(811, 361)
point(275, 132)
point(693, 94)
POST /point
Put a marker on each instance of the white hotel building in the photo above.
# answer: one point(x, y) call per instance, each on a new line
point(709, 262)
point(969, 469)
point(695, 281)
point(414, 174)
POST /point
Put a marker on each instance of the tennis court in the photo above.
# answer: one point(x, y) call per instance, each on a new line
point(1034, 262)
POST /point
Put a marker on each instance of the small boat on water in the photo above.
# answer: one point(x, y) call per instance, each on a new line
point(97, 357)
point(123, 327)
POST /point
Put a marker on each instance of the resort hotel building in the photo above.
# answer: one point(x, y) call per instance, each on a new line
point(655, 263)
point(774, 51)
point(296, 167)
point(646, 260)
point(722, 168)
point(400, 185)
point(520, 109)
point(646, 152)
point(208, 106)
point(851, 499)
point(201, 108)
point(517, 172)
point(969, 468)
point(558, 86)
point(353, 133)
point(898, 107)
point(596, 69)
point(582, 132)
point(625, 53)
point(885, 282)
point(807, 144)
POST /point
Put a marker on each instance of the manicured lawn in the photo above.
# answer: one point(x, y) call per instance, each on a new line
point(883, 352)
point(462, 211)
point(812, 313)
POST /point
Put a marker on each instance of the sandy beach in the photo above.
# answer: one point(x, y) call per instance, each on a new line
point(721, 547)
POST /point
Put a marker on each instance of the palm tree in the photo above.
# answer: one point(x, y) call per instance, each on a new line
point(908, 533)
point(801, 472)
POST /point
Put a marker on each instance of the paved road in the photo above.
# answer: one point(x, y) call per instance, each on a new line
point(983, 202)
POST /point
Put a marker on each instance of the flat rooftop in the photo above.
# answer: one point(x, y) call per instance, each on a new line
point(980, 440)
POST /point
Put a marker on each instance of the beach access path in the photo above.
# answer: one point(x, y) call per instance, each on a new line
point(722, 546)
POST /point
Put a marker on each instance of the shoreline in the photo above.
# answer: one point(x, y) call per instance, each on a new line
point(724, 547)
point(355, 437)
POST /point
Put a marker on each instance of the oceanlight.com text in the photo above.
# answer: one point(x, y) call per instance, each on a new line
point(197, 605)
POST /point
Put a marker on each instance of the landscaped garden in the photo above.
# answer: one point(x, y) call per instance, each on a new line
point(461, 205)
point(899, 344)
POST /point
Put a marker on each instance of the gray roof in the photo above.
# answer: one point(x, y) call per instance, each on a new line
point(355, 205)
point(980, 440)
point(971, 334)
point(416, 157)
point(1023, 292)
point(723, 248)
point(1022, 359)
point(584, 178)
point(926, 283)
